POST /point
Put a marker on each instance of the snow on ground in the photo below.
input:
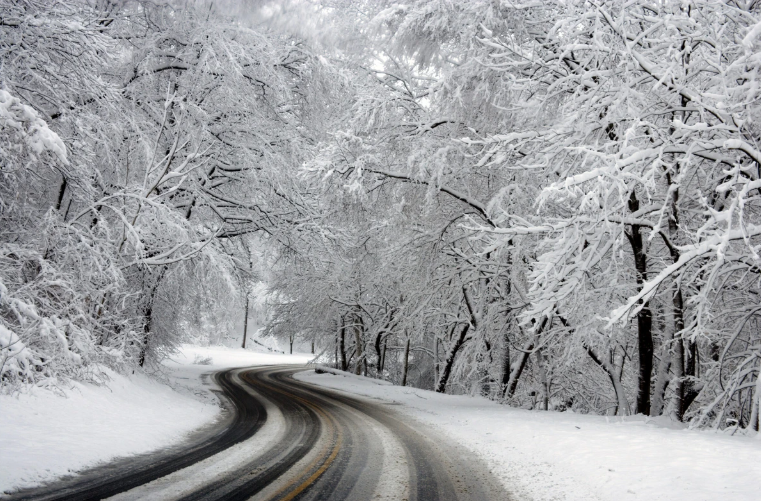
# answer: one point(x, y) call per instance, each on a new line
point(223, 357)
point(544, 456)
point(44, 435)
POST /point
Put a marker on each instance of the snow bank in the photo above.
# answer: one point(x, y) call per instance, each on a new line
point(44, 435)
point(564, 456)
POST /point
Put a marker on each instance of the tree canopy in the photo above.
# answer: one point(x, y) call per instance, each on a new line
point(552, 204)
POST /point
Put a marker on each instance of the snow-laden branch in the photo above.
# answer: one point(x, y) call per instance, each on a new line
point(688, 253)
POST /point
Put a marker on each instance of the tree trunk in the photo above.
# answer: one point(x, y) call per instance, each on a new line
point(61, 193)
point(377, 346)
point(678, 312)
point(380, 339)
point(435, 360)
point(446, 371)
point(662, 375)
point(484, 374)
point(148, 316)
point(342, 344)
point(644, 316)
point(406, 364)
point(505, 379)
point(685, 391)
point(622, 407)
point(678, 367)
point(245, 325)
point(691, 370)
point(545, 404)
point(755, 414)
point(515, 375)
point(358, 345)
point(68, 208)
point(146, 334)
point(383, 354)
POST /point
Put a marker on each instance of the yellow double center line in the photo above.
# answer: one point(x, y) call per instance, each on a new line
point(324, 457)
point(326, 462)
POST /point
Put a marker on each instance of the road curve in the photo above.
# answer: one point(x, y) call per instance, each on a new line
point(284, 439)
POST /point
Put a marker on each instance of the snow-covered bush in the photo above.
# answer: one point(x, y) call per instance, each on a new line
point(201, 360)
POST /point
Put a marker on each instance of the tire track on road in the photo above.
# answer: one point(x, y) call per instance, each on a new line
point(325, 446)
point(245, 416)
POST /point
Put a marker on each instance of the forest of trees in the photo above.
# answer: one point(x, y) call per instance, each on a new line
point(553, 204)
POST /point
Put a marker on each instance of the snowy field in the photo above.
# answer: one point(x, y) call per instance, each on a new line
point(543, 456)
point(44, 435)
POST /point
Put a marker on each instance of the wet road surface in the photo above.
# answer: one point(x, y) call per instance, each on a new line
point(283, 439)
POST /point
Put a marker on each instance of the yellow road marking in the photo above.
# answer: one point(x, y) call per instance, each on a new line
point(316, 474)
point(326, 463)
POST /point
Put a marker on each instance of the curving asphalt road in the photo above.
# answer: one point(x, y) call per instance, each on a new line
point(288, 440)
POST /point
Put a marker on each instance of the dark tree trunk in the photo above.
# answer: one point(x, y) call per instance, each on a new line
point(383, 354)
point(691, 390)
point(515, 375)
point(146, 335)
point(543, 379)
point(68, 208)
point(517, 370)
point(505, 379)
point(644, 316)
point(435, 360)
point(148, 316)
point(380, 344)
point(678, 361)
point(61, 193)
point(342, 344)
point(484, 375)
point(377, 346)
point(685, 364)
point(446, 370)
